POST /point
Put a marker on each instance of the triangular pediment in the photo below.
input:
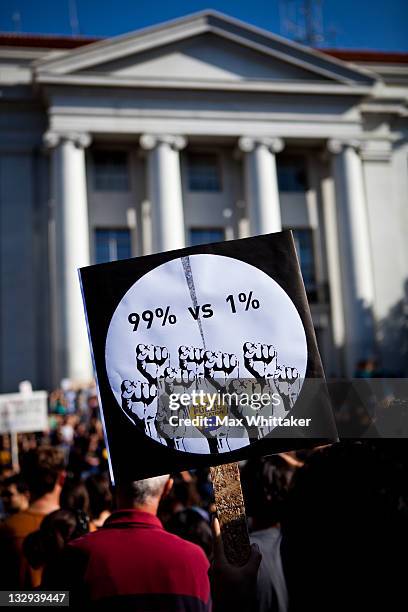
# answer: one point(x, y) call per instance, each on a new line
point(205, 46)
point(206, 56)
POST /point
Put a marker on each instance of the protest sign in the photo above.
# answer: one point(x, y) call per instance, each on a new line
point(20, 413)
point(23, 412)
point(205, 355)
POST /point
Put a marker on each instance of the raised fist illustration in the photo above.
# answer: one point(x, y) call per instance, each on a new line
point(175, 382)
point(151, 361)
point(192, 360)
point(251, 388)
point(260, 359)
point(244, 388)
point(139, 402)
point(163, 424)
point(288, 384)
point(218, 365)
point(175, 378)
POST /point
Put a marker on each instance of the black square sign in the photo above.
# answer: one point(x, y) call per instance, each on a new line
point(205, 355)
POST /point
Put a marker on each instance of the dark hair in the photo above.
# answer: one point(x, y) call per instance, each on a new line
point(100, 494)
point(190, 525)
point(74, 496)
point(186, 492)
point(56, 530)
point(265, 484)
point(182, 495)
point(41, 468)
point(346, 514)
point(17, 480)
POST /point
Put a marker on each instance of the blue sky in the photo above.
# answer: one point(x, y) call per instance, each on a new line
point(359, 24)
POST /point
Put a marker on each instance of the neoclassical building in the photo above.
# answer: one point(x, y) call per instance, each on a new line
point(196, 130)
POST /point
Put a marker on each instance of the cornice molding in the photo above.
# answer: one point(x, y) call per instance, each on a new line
point(298, 87)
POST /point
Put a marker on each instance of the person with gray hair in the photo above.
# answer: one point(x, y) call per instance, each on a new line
point(145, 493)
point(131, 562)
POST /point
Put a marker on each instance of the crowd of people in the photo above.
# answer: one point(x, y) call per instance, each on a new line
point(327, 525)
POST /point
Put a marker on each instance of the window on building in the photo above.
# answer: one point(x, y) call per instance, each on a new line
point(112, 244)
point(111, 171)
point(203, 172)
point(292, 174)
point(305, 250)
point(206, 235)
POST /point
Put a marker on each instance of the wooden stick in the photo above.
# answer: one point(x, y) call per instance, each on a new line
point(14, 451)
point(231, 512)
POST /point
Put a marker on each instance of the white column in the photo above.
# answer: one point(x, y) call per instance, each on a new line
point(334, 271)
point(261, 183)
point(384, 221)
point(356, 258)
point(71, 252)
point(165, 191)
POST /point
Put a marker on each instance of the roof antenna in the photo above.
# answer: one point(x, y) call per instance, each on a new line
point(302, 21)
point(16, 19)
point(73, 18)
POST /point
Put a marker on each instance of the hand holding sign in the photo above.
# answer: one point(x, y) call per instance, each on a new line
point(200, 316)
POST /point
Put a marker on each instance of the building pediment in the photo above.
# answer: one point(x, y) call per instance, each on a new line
point(205, 56)
point(205, 48)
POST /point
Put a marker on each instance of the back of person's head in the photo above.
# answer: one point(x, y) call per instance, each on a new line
point(141, 493)
point(16, 480)
point(15, 494)
point(42, 468)
point(190, 525)
point(100, 494)
point(342, 528)
point(184, 494)
point(75, 496)
point(56, 530)
point(265, 484)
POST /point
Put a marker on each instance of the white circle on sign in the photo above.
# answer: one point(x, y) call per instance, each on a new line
point(220, 305)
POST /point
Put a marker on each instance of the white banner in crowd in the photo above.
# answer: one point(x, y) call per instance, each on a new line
point(21, 413)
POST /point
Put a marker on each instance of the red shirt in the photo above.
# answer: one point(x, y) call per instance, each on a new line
point(132, 561)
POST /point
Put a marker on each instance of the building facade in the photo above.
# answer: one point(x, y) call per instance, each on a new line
point(198, 130)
